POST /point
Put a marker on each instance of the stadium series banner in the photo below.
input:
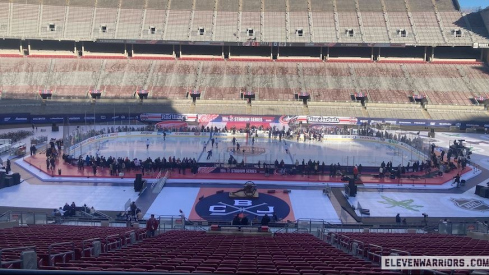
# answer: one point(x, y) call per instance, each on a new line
point(239, 121)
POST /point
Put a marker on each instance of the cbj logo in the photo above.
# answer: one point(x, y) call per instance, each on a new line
point(221, 207)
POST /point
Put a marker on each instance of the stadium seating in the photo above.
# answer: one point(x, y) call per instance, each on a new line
point(43, 236)
point(421, 244)
point(187, 251)
point(279, 21)
point(443, 84)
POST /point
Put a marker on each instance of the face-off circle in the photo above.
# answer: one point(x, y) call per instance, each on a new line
point(220, 207)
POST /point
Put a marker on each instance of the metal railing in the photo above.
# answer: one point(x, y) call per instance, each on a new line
point(10, 262)
point(461, 228)
point(88, 247)
point(113, 242)
point(52, 254)
point(25, 218)
point(374, 252)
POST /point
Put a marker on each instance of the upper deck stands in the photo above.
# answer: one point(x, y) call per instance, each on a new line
point(228, 21)
point(419, 5)
point(129, 25)
point(445, 5)
point(427, 27)
point(375, 27)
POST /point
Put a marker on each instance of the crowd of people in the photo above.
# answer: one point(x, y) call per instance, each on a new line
point(17, 135)
point(71, 211)
point(119, 166)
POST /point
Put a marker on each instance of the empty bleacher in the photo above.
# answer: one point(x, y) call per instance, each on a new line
point(299, 21)
point(275, 26)
point(278, 22)
point(345, 6)
point(324, 26)
point(129, 25)
point(453, 22)
point(52, 21)
point(419, 244)
point(478, 30)
point(187, 251)
point(420, 5)
point(177, 27)
point(335, 82)
point(375, 27)
point(79, 27)
point(405, 111)
point(4, 18)
point(348, 23)
point(445, 5)
point(24, 21)
point(344, 109)
point(43, 237)
point(400, 27)
point(427, 27)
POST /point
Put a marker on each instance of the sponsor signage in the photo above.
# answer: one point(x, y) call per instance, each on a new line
point(15, 118)
point(231, 118)
point(331, 120)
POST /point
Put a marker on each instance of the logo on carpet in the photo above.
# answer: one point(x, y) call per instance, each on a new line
point(247, 150)
point(471, 204)
point(406, 204)
point(221, 207)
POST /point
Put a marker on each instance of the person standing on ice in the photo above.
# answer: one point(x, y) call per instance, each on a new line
point(147, 143)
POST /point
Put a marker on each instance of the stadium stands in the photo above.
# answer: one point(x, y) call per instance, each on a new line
point(187, 251)
point(395, 83)
point(420, 244)
point(43, 237)
point(435, 23)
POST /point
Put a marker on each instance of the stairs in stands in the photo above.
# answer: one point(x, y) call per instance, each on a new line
point(305, 110)
point(425, 113)
point(386, 19)
point(409, 79)
point(466, 80)
point(354, 78)
point(439, 20)
point(99, 78)
point(249, 109)
point(365, 112)
point(336, 20)
point(360, 21)
point(411, 21)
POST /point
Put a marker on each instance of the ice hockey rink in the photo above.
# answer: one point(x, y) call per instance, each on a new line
point(263, 149)
point(303, 202)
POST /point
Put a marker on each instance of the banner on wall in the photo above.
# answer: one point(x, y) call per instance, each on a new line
point(332, 120)
point(229, 121)
point(241, 121)
point(15, 119)
point(156, 117)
